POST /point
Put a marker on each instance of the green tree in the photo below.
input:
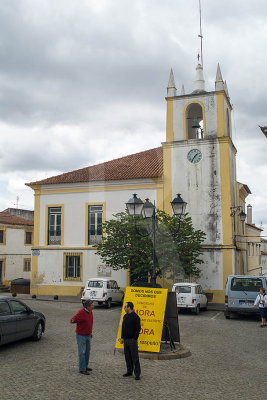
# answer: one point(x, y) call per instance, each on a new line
point(127, 244)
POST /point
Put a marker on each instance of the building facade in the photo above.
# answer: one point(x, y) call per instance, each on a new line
point(197, 160)
point(16, 239)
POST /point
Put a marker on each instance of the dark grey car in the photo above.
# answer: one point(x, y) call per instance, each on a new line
point(18, 321)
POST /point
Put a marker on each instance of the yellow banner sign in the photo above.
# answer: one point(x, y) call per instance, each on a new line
point(149, 304)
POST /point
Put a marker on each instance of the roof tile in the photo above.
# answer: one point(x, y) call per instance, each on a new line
point(6, 218)
point(146, 164)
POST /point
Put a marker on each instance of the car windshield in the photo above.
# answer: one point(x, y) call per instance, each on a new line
point(246, 284)
point(183, 289)
point(95, 284)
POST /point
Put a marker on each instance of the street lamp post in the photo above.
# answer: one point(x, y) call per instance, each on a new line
point(136, 207)
point(242, 216)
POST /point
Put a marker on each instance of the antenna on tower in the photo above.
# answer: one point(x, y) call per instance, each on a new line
point(200, 34)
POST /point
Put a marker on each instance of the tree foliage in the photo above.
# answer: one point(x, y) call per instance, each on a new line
point(127, 244)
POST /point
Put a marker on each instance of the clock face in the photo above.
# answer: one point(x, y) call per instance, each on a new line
point(194, 156)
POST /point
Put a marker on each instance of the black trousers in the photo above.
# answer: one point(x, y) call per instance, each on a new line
point(131, 356)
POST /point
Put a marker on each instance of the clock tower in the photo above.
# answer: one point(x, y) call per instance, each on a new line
point(199, 163)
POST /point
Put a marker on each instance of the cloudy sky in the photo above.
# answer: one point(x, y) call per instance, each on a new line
point(82, 82)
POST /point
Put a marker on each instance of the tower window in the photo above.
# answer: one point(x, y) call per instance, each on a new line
point(194, 121)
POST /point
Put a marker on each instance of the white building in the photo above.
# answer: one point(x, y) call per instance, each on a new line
point(197, 160)
point(16, 238)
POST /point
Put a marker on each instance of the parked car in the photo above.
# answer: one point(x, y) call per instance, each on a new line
point(190, 296)
point(18, 321)
point(103, 291)
point(241, 292)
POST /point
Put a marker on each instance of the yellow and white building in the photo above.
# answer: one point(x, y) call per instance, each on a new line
point(16, 238)
point(197, 159)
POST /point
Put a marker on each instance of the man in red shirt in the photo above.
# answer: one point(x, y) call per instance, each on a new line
point(84, 327)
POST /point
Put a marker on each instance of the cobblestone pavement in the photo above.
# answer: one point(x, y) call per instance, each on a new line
point(228, 361)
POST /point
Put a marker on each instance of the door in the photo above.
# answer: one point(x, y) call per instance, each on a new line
point(25, 319)
point(8, 331)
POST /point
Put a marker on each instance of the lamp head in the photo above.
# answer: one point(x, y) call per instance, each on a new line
point(148, 209)
point(178, 205)
point(135, 206)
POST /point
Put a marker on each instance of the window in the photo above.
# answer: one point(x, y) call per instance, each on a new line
point(73, 266)
point(18, 307)
point(246, 284)
point(112, 285)
point(95, 284)
point(28, 237)
point(194, 121)
point(115, 285)
point(183, 289)
point(27, 265)
point(95, 219)
point(2, 236)
point(4, 308)
point(54, 225)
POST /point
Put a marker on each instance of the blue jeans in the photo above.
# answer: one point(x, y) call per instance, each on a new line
point(84, 345)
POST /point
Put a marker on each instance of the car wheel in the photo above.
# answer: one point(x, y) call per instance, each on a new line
point(38, 332)
point(197, 309)
point(100, 302)
point(108, 303)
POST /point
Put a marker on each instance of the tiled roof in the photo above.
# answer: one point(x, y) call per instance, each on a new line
point(6, 218)
point(245, 187)
point(254, 226)
point(146, 164)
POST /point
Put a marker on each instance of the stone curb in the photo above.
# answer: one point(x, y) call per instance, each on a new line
point(181, 353)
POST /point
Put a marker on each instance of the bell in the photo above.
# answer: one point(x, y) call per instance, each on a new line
point(195, 123)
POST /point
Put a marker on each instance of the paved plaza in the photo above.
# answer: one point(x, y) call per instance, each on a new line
point(228, 361)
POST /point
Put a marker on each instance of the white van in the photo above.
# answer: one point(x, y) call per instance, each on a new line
point(103, 291)
point(190, 296)
point(241, 292)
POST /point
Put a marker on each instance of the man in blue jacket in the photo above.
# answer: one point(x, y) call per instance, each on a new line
point(130, 330)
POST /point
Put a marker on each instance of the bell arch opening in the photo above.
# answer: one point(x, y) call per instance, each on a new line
point(194, 121)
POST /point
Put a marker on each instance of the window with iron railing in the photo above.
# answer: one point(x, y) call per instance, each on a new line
point(95, 216)
point(54, 226)
point(73, 266)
